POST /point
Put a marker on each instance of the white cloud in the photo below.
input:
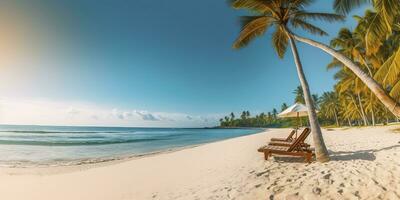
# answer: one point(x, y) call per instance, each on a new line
point(117, 114)
point(46, 112)
point(73, 111)
point(147, 116)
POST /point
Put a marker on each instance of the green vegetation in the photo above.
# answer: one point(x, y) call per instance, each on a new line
point(261, 120)
point(374, 46)
point(269, 119)
point(368, 59)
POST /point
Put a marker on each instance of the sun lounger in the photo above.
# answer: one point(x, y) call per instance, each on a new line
point(288, 139)
point(305, 133)
point(295, 148)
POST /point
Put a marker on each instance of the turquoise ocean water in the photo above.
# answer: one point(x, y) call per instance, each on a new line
point(64, 145)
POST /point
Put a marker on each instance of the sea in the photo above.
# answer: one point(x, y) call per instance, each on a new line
point(24, 146)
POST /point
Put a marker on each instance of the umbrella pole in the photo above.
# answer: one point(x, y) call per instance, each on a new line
point(298, 120)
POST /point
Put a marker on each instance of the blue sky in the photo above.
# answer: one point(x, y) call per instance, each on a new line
point(171, 60)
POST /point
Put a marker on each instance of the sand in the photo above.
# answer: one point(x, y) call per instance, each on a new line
point(365, 165)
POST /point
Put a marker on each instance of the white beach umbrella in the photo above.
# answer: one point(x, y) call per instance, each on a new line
point(296, 110)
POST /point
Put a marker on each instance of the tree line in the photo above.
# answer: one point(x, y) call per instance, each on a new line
point(335, 110)
point(269, 119)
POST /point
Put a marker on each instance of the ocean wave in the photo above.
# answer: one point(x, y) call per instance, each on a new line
point(44, 132)
point(75, 143)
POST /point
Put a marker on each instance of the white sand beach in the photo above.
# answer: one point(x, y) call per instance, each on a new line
point(365, 165)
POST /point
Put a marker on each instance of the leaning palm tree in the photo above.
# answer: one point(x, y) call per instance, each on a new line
point(284, 16)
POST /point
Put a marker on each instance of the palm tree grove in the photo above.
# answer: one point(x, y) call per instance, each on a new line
point(367, 60)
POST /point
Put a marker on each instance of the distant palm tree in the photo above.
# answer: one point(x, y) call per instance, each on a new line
point(283, 15)
point(330, 106)
point(243, 116)
point(269, 117)
point(226, 120)
point(299, 95)
point(247, 114)
point(274, 113)
point(232, 116)
point(316, 100)
point(284, 106)
point(352, 86)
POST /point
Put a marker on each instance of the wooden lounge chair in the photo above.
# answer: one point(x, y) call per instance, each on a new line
point(295, 148)
point(305, 133)
point(288, 139)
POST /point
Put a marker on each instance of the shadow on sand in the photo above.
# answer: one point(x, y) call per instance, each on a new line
point(283, 159)
point(358, 155)
point(341, 155)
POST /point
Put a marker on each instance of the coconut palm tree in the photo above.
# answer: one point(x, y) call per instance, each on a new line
point(349, 83)
point(351, 45)
point(284, 106)
point(284, 16)
point(330, 106)
point(316, 100)
point(299, 95)
point(350, 109)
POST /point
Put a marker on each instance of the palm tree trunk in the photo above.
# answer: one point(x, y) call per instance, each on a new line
point(362, 110)
point(337, 120)
point(355, 104)
point(373, 117)
point(320, 149)
point(377, 89)
point(348, 120)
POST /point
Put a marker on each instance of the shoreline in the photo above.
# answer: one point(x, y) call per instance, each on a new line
point(104, 161)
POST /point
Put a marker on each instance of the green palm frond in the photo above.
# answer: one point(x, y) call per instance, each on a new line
point(345, 6)
point(345, 36)
point(388, 9)
point(260, 6)
point(335, 64)
point(329, 17)
point(308, 27)
point(338, 42)
point(389, 72)
point(378, 24)
point(280, 41)
point(396, 27)
point(375, 32)
point(358, 18)
point(395, 91)
point(254, 26)
point(278, 14)
point(301, 3)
